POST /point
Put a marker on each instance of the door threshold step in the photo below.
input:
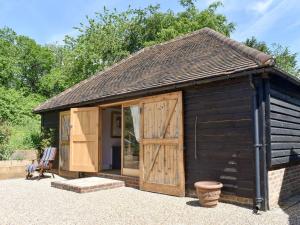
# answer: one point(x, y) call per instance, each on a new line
point(87, 184)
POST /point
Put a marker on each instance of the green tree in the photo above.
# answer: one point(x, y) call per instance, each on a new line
point(23, 62)
point(285, 59)
point(54, 81)
point(35, 61)
point(8, 58)
point(259, 45)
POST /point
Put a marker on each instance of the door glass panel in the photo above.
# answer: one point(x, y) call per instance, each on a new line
point(131, 137)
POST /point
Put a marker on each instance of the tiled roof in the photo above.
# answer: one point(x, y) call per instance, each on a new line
point(198, 55)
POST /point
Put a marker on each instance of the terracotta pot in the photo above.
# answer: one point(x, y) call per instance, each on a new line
point(208, 192)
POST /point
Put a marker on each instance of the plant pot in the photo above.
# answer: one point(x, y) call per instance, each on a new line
point(208, 192)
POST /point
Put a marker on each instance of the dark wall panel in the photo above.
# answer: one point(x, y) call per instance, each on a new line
point(221, 146)
point(51, 120)
point(284, 123)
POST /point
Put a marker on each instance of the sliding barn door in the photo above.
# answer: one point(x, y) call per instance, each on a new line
point(161, 162)
point(84, 139)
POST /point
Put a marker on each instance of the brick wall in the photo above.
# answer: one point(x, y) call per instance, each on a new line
point(283, 183)
point(129, 180)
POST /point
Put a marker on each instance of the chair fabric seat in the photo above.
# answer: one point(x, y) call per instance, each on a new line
point(31, 168)
point(48, 155)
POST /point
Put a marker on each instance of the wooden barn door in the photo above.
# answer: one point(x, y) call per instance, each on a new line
point(64, 140)
point(161, 156)
point(84, 139)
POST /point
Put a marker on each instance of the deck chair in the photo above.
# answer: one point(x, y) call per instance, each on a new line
point(45, 163)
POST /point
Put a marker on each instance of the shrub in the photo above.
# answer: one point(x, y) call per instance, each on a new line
point(21, 135)
point(16, 111)
point(5, 133)
point(16, 107)
point(41, 140)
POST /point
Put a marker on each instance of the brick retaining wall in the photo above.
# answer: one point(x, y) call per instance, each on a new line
point(283, 183)
point(13, 168)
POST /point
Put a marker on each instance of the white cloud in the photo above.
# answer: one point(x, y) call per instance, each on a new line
point(261, 6)
point(268, 20)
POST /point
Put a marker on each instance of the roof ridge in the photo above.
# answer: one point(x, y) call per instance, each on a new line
point(258, 56)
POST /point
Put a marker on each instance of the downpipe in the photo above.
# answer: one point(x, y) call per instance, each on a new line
point(257, 148)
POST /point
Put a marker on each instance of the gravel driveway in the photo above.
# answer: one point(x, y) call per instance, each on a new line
point(35, 202)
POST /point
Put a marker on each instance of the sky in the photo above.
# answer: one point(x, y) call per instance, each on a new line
point(48, 21)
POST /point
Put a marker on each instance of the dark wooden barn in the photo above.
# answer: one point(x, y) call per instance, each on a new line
point(199, 107)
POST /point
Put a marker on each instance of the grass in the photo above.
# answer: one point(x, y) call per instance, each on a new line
point(21, 135)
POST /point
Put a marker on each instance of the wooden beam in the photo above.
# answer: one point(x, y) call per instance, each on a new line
point(121, 103)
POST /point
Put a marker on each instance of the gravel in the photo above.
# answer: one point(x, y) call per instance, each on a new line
point(35, 202)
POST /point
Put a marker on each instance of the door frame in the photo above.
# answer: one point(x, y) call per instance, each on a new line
point(122, 104)
point(180, 141)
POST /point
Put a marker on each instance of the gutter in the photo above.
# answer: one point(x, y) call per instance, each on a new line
point(257, 205)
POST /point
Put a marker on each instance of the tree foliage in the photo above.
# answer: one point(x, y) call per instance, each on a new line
point(16, 107)
point(4, 139)
point(285, 59)
point(23, 62)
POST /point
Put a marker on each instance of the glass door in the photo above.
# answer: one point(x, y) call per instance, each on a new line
point(130, 140)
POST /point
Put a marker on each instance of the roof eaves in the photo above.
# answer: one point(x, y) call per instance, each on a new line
point(295, 80)
point(224, 76)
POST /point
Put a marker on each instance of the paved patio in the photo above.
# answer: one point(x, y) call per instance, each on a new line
point(36, 202)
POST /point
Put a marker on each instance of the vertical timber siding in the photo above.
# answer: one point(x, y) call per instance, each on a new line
point(224, 143)
point(50, 120)
point(284, 122)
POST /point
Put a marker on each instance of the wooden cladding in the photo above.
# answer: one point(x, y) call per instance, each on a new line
point(161, 156)
point(284, 128)
point(50, 120)
point(84, 139)
point(218, 136)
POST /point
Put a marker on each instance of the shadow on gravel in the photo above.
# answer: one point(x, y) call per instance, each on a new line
point(194, 203)
point(39, 178)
